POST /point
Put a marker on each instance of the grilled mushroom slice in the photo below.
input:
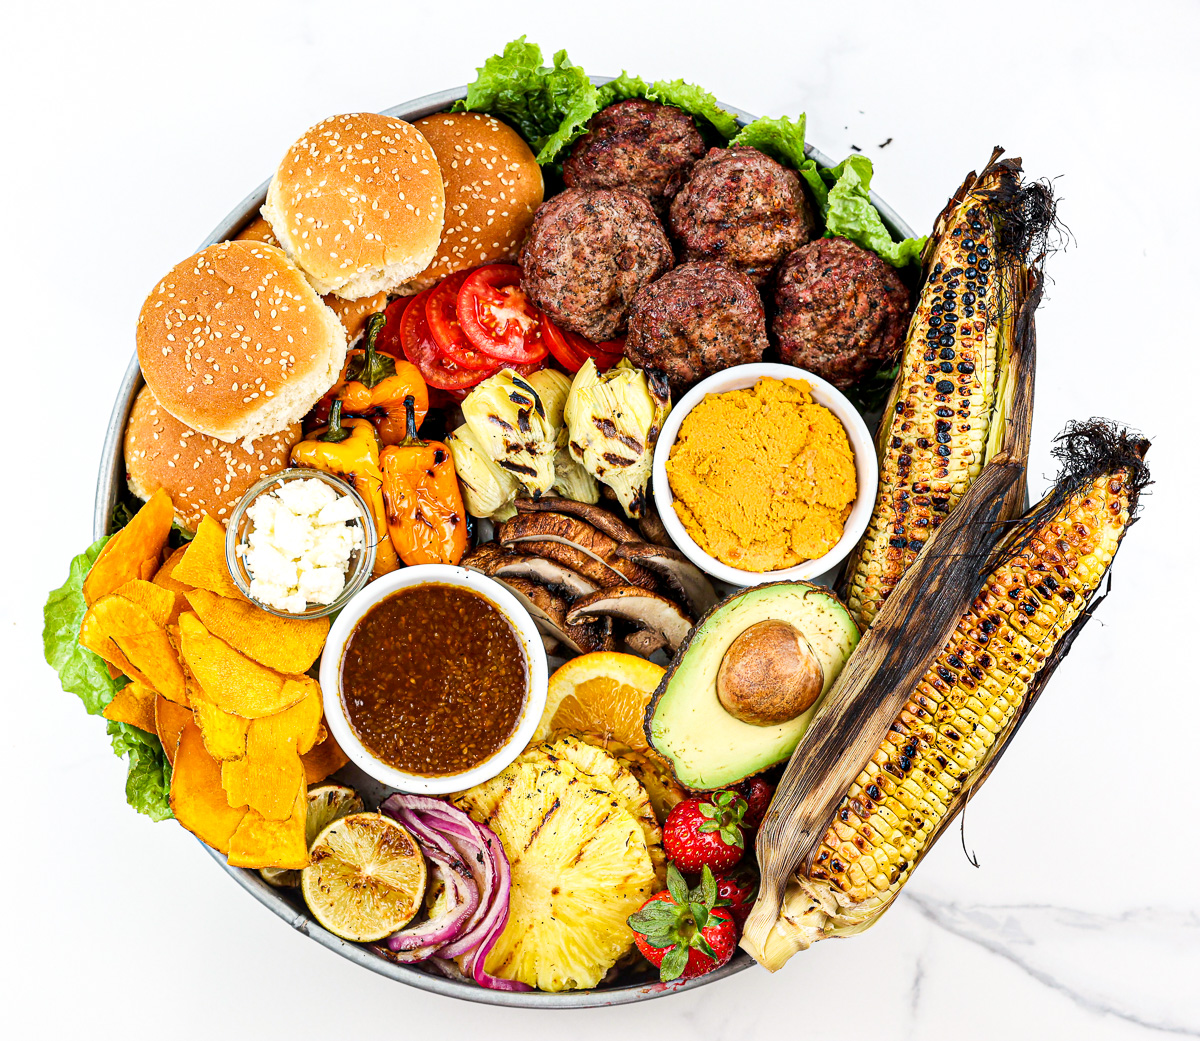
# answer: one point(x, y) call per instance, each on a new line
point(578, 534)
point(545, 571)
point(596, 516)
point(676, 570)
point(643, 608)
point(485, 558)
point(548, 612)
point(644, 642)
point(652, 528)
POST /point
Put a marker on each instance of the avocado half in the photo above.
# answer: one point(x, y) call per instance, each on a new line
point(685, 721)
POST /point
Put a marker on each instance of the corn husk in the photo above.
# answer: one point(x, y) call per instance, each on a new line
point(613, 423)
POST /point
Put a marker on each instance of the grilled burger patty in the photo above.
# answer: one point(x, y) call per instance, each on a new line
point(696, 320)
point(636, 144)
point(742, 208)
point(588, 253)
point(840, 310)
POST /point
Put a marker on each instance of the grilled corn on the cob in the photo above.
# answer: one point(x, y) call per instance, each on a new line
point(968, 702)
point(935, 429)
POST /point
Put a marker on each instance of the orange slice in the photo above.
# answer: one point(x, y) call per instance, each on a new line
point(603, 695)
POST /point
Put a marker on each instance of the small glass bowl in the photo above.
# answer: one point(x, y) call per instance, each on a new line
point(362, 560)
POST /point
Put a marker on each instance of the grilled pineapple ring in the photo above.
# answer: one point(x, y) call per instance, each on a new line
point(580, 867)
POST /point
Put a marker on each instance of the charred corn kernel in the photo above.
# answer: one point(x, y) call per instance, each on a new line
point(935, 437)
point(971, 695)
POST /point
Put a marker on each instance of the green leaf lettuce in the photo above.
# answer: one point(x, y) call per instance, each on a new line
point(548, 106)
point(84, 674)
point(850, 213)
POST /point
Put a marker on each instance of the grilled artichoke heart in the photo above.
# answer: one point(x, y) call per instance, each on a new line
point(613, 422)
point(517, 421)
point(488, 489)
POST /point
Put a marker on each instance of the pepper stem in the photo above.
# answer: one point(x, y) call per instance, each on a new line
point(337, 432)
point(410, 420)
point(371, 368)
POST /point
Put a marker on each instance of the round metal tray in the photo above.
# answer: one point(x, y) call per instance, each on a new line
point(286, 903)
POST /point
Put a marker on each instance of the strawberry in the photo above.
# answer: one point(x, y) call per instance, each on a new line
point(737, 891)
point(757, 794)
point(682, 932)
point(706, 830)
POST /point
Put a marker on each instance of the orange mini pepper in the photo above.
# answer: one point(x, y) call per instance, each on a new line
point(350, 449)
point(374, 386)
point(425, 515)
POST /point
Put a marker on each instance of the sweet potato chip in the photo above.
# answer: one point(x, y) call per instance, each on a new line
point(197, 798)
point(203, 563)
point(133, 704)
point(165, 577)
point(325, 757)
point(157, 602)
point(169, 722)
point(286, 644)
point(259, 842)
point(148, 569)
point(224, 733)
point(267, 775)
point(127, 552)
point(108, 621)
point(155, 657)
point(232, 681)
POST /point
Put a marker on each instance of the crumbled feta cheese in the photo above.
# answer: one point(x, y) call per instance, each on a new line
point(299, 547)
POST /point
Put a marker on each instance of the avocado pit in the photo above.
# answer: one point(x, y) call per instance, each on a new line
point(769, 674)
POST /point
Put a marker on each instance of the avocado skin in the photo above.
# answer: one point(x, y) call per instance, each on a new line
point(748, 750)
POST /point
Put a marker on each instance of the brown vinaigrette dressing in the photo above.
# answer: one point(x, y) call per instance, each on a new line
point(434, 679)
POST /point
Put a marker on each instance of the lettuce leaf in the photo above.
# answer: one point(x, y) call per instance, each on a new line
point(849, 213)
point(148, 781)
point(693, 100)
point(84, 674)
point(781, 138)
point(548, 106)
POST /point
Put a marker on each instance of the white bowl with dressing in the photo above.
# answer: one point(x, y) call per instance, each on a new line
point(536, 674)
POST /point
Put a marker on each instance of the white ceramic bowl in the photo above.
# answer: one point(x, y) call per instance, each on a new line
point(866, 465)
point(331, 677)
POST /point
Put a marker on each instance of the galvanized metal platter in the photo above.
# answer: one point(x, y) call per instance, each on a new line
point(286, 903)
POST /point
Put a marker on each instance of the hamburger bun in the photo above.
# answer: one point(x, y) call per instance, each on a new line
point(201, 474)
point(353, 314)
point(493, 185)
point(358, 203)
point(236, 344)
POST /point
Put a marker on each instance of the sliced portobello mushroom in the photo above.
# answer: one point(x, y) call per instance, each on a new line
point(549, 615)
point(652, 528)
point(569, 556)
point(676, 570)
point(598, 517)
point(547, 572)
point(486, 557)
point(645, 609)
point(644, 642)
point(571, 531)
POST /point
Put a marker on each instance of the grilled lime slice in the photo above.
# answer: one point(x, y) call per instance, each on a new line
point(326, 803)
point(366, 879)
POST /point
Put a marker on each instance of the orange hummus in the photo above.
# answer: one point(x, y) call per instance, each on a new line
point(763, 478)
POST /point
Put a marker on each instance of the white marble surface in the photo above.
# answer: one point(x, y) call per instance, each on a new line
point(131, 128)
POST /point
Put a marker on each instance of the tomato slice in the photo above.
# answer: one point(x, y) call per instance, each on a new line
point(571, 350)
point(421, 349)
point(442, 315)
point(388, 339)
point(497, 317)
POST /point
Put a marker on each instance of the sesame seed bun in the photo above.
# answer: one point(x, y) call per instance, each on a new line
point(493, 186)
point(358, 203)
point(201, 474)
point(236, 344)
point(353, 314)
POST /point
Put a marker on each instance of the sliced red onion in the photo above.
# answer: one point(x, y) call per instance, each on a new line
point(467, 849)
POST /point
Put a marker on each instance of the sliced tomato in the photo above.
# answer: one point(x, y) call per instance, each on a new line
point(571, 350)
point(498, 318)
point(388, 340)
point(421, 349)
point(442, 315)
